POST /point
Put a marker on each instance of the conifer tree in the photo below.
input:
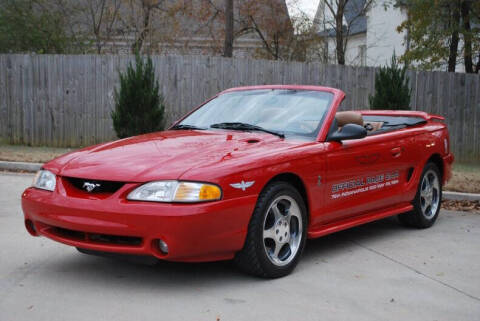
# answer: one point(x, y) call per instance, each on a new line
point(391, 88)
point(139, 107)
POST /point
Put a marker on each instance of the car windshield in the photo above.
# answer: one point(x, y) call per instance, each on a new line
point(281, 112)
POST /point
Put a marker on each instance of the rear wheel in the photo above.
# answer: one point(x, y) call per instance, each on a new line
point(426, 205)
point(276, 234)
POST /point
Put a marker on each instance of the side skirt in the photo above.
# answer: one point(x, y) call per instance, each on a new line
point(358, 220)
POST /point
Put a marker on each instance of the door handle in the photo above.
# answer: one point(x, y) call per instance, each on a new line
point(396, 152)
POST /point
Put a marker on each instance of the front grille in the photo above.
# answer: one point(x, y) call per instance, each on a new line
point(99, 186)
point(96, 238)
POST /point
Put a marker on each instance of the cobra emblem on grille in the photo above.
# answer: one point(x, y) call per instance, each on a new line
point(89, 187)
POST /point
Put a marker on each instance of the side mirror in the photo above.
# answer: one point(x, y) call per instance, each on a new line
point(349, 131)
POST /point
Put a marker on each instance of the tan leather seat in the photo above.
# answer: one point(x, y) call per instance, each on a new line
point(348, 117)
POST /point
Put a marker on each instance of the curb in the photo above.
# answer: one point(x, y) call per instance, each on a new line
point(456, 196)
point(33, 167)
point(20, 166)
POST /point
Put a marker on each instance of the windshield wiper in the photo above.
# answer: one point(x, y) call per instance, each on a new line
point(245, 126)
point(185, 126)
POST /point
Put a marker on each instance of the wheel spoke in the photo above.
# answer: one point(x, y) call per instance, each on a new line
point(424, 205)
point(293, 211)
point(423, 193)
point(427, 184)
point(276, 212)
point(276, 251)
point(291, 243)
point(269, 234)
point(435, 185)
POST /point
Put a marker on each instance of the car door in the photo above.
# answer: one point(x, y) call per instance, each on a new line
point(363, 175)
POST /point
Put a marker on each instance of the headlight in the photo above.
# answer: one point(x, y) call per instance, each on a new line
point(175, 191)
point(45, 180)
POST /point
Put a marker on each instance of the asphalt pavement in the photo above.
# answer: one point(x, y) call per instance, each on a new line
point(379, 271)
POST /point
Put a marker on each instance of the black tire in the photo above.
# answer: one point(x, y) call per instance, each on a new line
point(253, 258)
point(418, 218)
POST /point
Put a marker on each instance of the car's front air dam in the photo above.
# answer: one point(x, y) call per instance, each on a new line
point(193, 232)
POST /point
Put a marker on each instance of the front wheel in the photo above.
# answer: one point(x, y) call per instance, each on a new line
point(426, 205)
point(276, 233)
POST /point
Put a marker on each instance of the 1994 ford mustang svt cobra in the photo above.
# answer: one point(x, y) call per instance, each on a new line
point(250, 175)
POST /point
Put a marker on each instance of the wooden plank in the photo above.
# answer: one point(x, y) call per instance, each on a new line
point(412, 83)
point(38, 114)
point(15, 100)
point(57, 89)
point(8, 99)
point(98, 93)
point(476, 124)
point(468, 127)
point(460, 108)
point(3, 99)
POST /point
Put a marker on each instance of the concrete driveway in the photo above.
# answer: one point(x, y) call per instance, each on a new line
point(380, 271)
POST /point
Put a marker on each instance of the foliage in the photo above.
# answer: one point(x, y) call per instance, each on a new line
point(33, 26)
point(98, 20)
point(391, 88)
point(155, 26)
point(435, 29)
point(139, 108)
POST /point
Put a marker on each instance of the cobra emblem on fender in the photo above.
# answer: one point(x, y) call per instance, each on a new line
point(242, 185)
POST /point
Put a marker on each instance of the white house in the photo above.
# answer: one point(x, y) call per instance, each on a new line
point(372, 36)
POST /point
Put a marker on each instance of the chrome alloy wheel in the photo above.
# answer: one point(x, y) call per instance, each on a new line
point(430, 194)
point(282, 230)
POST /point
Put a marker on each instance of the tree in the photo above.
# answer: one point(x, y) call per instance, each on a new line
point(341, 24)
point(143, 28)
point(476, 33)
point(100, 17)
point(437, 29)
point(267, 19)
point(391, 88)
point(229, 25)
point(34, 26)
point(139, 108)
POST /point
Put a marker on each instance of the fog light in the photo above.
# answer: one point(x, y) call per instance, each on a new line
point(163, 246)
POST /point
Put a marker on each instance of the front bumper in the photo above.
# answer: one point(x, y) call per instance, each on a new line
point(193, 232)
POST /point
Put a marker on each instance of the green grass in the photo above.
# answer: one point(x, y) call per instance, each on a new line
point(20, 153)
point(466, 167)
point(465, 178)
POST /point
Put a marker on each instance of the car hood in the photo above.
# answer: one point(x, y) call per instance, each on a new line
point(165, 155)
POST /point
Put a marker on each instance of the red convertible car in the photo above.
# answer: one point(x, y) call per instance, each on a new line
point(249, 175)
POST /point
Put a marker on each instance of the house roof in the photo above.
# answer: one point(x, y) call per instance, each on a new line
point(356, 20)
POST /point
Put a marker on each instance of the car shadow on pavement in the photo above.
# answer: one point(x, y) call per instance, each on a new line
point(376, 231)
point(180, 276)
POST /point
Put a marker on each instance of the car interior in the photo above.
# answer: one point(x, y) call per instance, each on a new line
point(374, 124)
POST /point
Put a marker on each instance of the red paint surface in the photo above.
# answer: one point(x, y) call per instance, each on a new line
point(216, 230)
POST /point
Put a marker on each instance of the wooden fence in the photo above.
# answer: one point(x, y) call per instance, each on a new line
point(66, 100)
